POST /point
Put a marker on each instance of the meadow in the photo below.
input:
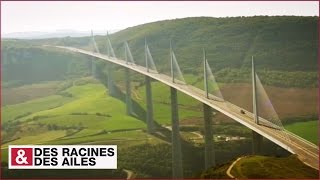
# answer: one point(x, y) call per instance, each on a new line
point(28, 92)
point(89, 111)
point(307, 130)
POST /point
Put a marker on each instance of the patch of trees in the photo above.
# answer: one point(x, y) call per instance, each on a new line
point(32, 64)
point(9, 129)
point(55, 127)
point(38, 117)
point(233, 130)
point(85, 113)
point(79, 113)
point(102, 114)
point(305, 118)
point(65, 94)
point(65, 85)
point(22, 115)
point(274, 78)
point(84, 81)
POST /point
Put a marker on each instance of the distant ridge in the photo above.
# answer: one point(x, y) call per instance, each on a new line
point(53, 34)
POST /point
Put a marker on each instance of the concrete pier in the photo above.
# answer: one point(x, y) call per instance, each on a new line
point(128, 92)
point(256, 143)
point(177, 170)
point(254, 95)
point(110, 80)
point(149, 105)
point(208, 137)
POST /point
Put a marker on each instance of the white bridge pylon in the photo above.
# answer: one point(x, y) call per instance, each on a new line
point(94, 44)
point(110, 51)
point(128, 56)
point(176, 73)
point(264, 110)
point(151, 67)
point(210, 84)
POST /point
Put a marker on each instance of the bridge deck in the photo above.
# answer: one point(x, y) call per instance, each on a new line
point(306, 151)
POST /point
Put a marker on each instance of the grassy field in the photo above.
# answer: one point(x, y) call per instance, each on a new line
point(28, 92)
point(15, 111)
point(90, 107)
point(307, 130)
point(89, 115)
point(270, 167)
point(39, 138)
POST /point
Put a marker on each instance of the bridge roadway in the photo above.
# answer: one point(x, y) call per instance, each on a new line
point(306, 151)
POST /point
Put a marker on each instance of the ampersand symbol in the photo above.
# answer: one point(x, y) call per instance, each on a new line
point(20, 159)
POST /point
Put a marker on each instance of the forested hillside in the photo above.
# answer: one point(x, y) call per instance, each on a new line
point(284, 47)
point(23, 63)
point(277, 43)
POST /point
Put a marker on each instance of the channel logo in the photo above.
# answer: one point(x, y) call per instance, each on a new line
point(21, 156)
point(63, 157)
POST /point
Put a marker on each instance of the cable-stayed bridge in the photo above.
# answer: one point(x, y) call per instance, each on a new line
point(211, 98)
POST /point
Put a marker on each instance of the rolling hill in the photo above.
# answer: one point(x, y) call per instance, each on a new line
point(284, 47)
point(76, 109)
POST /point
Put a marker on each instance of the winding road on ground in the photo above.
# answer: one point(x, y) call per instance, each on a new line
point(228, 172)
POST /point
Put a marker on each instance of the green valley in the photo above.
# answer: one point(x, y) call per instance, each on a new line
point(54, 97)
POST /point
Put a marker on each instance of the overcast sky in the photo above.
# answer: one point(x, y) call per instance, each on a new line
point(82, 16)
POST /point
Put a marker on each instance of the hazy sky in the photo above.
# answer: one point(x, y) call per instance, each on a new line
point(50, 16)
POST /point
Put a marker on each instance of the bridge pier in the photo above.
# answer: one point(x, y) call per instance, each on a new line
point(177, 170)
point(209, 147)
point(92, 67)
point(128, 92)
point(149, 105)
point(254, 94)
point(110, 80)
point(256, 143)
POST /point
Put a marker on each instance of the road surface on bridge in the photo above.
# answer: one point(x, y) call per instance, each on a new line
point(306, 151)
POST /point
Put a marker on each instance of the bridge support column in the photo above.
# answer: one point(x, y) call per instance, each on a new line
point(149, 105)
point(92, 67)
point(256, 143)
point(177, 170)
point(209, 147)
point(254, 94)
point(128, 92)
point(110, 80)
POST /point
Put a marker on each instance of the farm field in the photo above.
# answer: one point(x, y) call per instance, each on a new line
point(28, 92)
point(87, 113)
point(287, 102)
point(17, 111)
point(307, 130)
